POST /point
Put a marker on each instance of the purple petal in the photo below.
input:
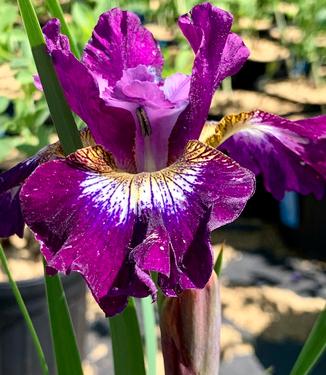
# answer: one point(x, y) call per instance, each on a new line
point(138, 85)
point(162, 103)
point(291, 155)
point(55, 40)
point(11, 217)
point(176, 87)
point(219, 54)
point(16, 175)
point(113, 128)
point(84, 225)
point(115, 228)
point(119, 42)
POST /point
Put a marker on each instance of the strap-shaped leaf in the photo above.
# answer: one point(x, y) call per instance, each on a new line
point(126, 342)
point(60, 112)
point(313, 348)
point(150, 334)
point(63, 338)
point(66, 351)
point(24, 311)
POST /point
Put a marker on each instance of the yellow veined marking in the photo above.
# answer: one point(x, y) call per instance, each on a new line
point(228, 126)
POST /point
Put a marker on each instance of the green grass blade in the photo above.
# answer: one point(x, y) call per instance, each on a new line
point(56, 11)
point(313, 348)
point(66, 351)
point(59, 109)
point(64, 341)
point(150, 334)
point(24, 312)
point(126, 342)
point(32, 26)
point(219, 261)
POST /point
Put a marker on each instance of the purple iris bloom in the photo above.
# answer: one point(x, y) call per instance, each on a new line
point(146, 196)
point(11, 181)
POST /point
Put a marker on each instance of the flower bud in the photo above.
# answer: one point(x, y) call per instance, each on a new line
point(190, 329)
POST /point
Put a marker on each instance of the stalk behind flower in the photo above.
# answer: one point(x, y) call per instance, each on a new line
point(190, 329)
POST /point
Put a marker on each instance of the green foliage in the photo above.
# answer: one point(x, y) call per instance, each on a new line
point(148, 313)
point(314, 347)
point(65, 346)
point(126, 342)
point(24, 312)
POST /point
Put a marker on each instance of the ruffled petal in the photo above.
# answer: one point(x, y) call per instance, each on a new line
point(113, 128)
point(139, 85)
point(11, 217)
point(115, 228)
point(119, 42)
point(55, 40)
point(219, 54)
point(16, 175)
point(85, 224)
point(162, 104)
point(291, 155)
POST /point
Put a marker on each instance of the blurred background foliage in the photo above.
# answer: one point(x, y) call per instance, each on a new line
point(299, 25)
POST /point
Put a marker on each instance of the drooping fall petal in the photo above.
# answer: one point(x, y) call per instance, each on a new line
point(290, 155)
point(115, 227)
point(11, 217)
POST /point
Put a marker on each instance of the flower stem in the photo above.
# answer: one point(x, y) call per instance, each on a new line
point(24, 312)
point(150, 334)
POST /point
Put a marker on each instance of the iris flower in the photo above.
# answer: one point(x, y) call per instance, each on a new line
point(145, 193)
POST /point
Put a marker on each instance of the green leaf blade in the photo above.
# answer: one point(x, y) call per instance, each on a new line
point(32, 26)
point(150, 334)
point(313, 348)
point(66, 351)
point(63, 338)
point(24, 311)
point(126, 342)
point(59, 109)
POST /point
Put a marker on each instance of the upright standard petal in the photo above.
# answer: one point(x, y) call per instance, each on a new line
point(113, 128)
point(142, 92)
point(115, 227)
point(119, 42)
point(219, 54)
point(291, 155)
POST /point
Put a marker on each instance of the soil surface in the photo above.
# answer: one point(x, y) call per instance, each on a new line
point(225, 102)
point(300, 91)
point(265, 51)
point(270, 299)
point(290, 34)
point(9, 86)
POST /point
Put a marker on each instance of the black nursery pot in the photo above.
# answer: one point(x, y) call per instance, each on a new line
point(17, 353)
